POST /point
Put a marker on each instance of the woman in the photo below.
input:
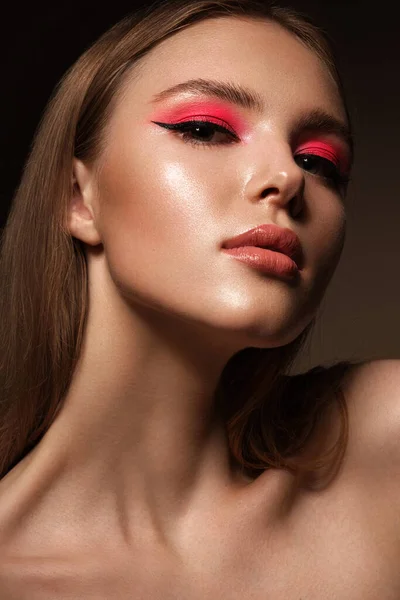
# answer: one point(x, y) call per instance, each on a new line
point(153, 445)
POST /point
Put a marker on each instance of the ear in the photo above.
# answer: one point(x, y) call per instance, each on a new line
point(81, 214)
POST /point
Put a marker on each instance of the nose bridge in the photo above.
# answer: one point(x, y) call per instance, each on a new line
point(275, 172)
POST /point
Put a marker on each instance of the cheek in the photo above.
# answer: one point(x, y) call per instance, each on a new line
point(163, 204)
point(164, 194)
point(159, 219)
point(329, 239)
point(324, 237)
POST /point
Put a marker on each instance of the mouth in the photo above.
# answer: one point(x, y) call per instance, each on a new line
point(269, 237)
point(265, 260)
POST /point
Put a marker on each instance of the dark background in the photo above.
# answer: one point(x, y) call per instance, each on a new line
point(360, 312)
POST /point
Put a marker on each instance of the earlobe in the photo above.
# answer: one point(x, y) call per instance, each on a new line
point(81, 214)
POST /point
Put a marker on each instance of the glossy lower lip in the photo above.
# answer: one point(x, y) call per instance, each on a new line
point(267, 261)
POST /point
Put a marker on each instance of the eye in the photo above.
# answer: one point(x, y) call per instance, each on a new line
point(322, 167)
point(203, 133)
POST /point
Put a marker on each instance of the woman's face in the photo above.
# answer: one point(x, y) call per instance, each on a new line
point(167, 200)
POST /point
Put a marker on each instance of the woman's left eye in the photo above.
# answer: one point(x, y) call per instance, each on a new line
point(322, 167)
point(201, 132)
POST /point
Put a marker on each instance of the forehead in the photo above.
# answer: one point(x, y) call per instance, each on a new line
point(258, 54)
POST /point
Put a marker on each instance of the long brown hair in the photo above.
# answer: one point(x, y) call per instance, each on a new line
point(43, 278)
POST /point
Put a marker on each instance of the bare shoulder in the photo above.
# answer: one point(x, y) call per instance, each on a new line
point(381, 372)
point(372, 392)
point(373, 387)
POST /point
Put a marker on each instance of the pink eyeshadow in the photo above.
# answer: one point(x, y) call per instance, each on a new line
point(325, 150)
point(203, 110)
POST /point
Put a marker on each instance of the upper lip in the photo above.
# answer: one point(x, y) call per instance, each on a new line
point(272, 237)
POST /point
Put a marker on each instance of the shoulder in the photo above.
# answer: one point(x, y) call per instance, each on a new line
point(372, 393)
point(373, 390)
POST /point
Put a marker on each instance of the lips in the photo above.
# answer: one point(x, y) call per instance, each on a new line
point(271, 237)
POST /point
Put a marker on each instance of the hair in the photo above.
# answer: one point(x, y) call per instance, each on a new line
point(269, 415)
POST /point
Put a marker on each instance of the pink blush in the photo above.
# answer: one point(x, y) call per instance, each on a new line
point(198, 109)
point(325, 150)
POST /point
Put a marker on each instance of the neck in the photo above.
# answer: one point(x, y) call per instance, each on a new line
point(137, 443)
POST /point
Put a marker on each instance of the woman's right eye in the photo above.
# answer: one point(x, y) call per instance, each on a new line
point(201, 133)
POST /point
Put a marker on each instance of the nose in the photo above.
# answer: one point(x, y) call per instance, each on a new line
point(279, 180)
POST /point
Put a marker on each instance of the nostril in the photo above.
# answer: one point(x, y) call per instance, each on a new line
point(269, 191)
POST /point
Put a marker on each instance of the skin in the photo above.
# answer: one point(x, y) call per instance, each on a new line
point(136, 452)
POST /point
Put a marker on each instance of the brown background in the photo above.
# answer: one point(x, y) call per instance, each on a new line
point(359, 317)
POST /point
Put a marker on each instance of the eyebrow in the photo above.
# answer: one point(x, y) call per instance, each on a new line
point(317, 120)
point(224, 90)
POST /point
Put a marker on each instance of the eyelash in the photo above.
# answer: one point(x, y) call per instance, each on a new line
point(332, 174)
point(183, 130)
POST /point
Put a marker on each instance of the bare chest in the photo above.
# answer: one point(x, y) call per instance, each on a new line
point(328, 550)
